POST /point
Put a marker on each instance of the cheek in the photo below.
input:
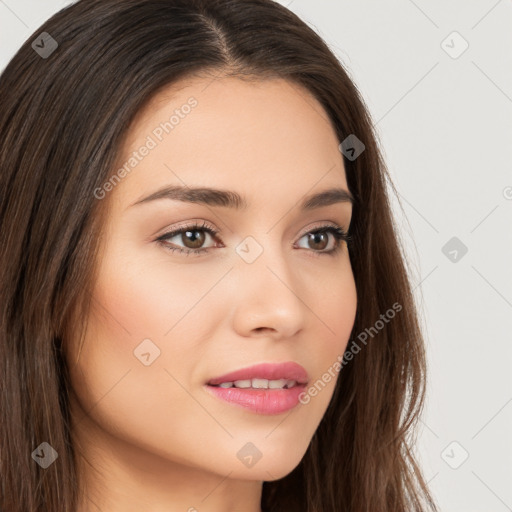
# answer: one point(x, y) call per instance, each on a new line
point(133, 401)
point(332, 297)
point(144, 295)
point(144, 311)
point(143, 322)
point(335, 306)
point(136, 303)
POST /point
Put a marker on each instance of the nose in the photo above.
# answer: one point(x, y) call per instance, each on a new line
point(270, 300)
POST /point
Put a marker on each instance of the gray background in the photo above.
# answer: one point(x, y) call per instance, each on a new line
point(444, 120)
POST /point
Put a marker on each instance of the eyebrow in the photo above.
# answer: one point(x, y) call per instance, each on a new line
point(231, 199)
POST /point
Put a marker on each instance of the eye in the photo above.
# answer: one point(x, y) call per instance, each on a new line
point(318, 239)
point(193, 237)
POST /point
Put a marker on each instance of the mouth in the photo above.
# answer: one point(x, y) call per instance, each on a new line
point(263, 388)
point(257, 384)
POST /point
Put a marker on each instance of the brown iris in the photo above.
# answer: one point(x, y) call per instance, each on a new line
point(316, 239)
point(196, 240)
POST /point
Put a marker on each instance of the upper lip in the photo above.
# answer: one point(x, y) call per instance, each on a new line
point(269, 371)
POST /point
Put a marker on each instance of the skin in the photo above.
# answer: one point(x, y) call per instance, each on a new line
point(150, 437)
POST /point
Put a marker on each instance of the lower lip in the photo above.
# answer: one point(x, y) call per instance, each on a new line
point(261, 401)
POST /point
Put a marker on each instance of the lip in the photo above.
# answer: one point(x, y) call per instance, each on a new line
point(270, 371)
point(262, 401)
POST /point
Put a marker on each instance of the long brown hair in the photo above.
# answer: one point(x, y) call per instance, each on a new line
point(62, 124)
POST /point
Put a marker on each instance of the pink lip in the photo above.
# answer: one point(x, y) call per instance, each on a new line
point(270, 371)
point(262, 401)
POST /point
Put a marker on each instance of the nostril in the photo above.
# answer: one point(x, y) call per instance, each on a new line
point(263, 329)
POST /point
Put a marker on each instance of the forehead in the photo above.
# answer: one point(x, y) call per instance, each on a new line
point(268, 136)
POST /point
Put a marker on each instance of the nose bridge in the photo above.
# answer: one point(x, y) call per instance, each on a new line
point(264, 259)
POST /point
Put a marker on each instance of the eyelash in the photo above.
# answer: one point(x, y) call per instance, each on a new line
point(339, 235)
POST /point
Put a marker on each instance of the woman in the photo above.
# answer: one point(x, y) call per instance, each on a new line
point(205, 301)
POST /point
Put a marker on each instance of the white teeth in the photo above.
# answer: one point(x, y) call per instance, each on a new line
point(242, 383)
point(260, 384)
point(277, 384)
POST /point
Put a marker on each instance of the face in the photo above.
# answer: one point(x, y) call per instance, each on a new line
point(264, 282)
